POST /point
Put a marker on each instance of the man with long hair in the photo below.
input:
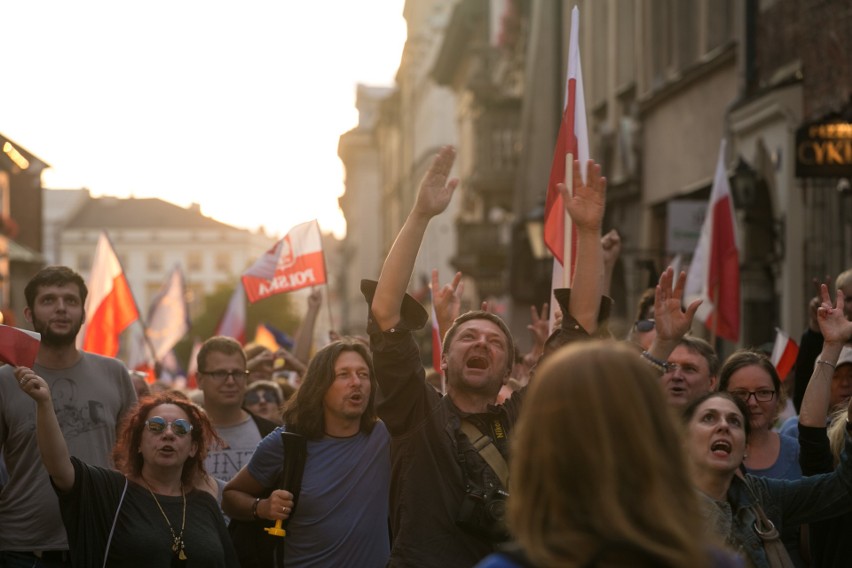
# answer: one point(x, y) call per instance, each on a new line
point(340, 515)
point(90, 394)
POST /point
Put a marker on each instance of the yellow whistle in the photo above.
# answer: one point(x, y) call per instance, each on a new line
point(276, 530)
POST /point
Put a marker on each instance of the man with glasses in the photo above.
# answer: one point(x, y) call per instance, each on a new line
point(222, 378)
point(90, 394)
point(692, 370)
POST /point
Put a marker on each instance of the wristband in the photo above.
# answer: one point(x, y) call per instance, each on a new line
point(662, 366)
point(824, 362)
point(254, 509)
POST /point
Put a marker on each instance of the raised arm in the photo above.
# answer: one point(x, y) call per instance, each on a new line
point(51, 443)
point(433, 197)
point(305, 335)
point(836, 330)
point(447, 301)
point(586, 208)
point(671, 320)
point(611, 246)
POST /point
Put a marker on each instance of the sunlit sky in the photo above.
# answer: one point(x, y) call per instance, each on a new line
point(237, 106)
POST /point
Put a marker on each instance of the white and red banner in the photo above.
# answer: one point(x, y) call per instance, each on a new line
point(784, 353)
point(295, 262)
point(110, 306)
point(714, 273)
point(18, 347)
point(233, 322)
point(192, 365)
point(168, 317)
point(573, 139)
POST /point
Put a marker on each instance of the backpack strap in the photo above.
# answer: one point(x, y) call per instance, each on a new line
point(487, 450)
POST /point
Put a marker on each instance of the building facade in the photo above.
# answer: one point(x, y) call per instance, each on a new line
point(152, 236)
point(399, 132)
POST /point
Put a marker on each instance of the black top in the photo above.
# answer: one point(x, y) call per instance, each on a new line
point(829, 539)
point(141, 537)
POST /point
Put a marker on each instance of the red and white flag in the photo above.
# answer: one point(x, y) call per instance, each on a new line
point(110, 306)
point(573, 140)
point(295, 262)
point(714, 273)
point(192, 365)
point(233, 322)
point(18, 347)
point(784, 353)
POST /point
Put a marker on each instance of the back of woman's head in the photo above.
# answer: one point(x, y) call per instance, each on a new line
point(597, 461)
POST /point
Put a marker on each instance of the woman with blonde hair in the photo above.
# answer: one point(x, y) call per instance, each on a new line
point(598, 473)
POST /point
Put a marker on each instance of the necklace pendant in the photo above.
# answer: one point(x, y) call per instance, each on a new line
point(182, 554)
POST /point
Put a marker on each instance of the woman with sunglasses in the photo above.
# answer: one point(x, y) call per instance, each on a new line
point(265, 399)
point(644, 330)
point(159, 508)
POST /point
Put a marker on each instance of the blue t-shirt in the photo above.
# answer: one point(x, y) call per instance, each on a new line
point(342, 515)
point(787, 464)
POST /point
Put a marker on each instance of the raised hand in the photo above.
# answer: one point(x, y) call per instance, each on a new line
point(611, 247)
point(832, 321)
point(315, 298)
point(586, 206)
point(32, 384)
point(672, 322)
point(539, 327)
point(436, 188)
point(447, 300)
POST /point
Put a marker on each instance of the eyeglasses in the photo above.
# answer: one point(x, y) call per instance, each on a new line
point(158, 425)
point(258, 396)
point(645, 325)
point(238, 375)
point(763, 395)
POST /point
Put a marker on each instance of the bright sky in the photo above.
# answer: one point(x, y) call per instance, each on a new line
point(237, 106)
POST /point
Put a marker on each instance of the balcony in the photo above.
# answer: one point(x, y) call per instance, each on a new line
point(482, 255)
point(496, 154)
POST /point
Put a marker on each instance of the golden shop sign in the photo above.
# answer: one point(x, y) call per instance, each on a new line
point(824, 149)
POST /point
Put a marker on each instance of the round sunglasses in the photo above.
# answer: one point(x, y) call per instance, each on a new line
point(158, 425)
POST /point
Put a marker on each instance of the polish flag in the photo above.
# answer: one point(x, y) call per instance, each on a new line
point(233, 322)
point(784, 353)
point(295, 262)
point(18, 347)
point(192, 365)
point(714, 273)
point(110, 306)
point(572, 143)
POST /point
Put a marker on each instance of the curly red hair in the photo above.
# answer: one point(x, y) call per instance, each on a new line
point(126, 455)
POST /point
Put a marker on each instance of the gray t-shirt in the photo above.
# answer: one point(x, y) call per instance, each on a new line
point(89, 398)
point(240, 443)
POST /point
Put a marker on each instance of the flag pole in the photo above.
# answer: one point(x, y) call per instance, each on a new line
point(567, 253)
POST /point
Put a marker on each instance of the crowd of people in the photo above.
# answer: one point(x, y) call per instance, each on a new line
point(587, 451)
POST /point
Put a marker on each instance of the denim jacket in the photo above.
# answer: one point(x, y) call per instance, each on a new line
point(785, 502)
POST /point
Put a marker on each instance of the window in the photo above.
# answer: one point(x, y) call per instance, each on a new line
point(223, 262)
point(194, 260)
point(84, 262)
point(155, 261)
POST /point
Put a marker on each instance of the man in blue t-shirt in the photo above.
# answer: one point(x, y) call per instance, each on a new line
point(340, 517)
